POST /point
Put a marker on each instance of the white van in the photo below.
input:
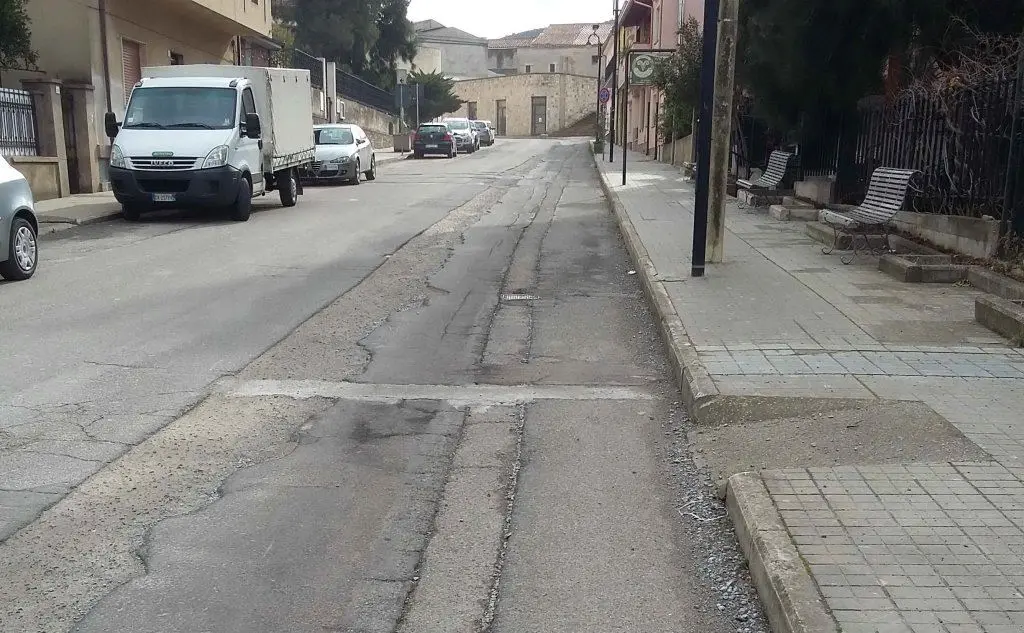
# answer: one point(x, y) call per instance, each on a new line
point(211, 136)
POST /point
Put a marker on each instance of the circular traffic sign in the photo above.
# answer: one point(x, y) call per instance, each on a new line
point(605, 95)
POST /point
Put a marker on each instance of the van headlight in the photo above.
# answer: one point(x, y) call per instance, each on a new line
point(218, 157)
point(117, 157)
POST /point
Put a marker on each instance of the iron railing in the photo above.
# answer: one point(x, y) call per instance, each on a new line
point(360, 91)
point(295, 58)
point(18, 133)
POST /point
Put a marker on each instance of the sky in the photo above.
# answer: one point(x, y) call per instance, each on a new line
point(497, 18)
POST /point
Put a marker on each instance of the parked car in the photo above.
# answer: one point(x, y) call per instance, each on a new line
point(465, 135)
point(434, 138)
point(19, 230)
point(211, 136)
point(343, 153)
point(484, 132)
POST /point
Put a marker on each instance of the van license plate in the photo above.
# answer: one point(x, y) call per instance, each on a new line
point(163, 197)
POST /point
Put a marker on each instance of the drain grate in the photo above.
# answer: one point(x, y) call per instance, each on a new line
point(518, 296)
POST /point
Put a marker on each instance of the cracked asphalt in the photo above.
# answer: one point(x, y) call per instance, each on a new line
point(330, 419)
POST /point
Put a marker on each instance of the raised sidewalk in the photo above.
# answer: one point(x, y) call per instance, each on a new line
point(880, 428)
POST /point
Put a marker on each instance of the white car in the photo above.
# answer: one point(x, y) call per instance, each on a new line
point(19, 229)
point(343, 154)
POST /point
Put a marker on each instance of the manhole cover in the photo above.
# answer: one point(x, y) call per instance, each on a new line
point(518, 296)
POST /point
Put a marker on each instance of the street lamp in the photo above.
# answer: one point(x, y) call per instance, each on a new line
point(595, 39)
point(615, 86)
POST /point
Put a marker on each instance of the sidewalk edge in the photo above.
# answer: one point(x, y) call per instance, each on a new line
point(788, 593)
point(694, 382)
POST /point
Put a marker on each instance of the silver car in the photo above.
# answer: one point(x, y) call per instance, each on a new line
point(465, 134)
point(343, 154)
point(19, 230)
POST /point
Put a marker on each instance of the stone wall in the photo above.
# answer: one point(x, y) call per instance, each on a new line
point(378, 125)
point(569, 99)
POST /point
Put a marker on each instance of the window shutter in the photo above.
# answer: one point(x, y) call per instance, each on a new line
point(131, 59)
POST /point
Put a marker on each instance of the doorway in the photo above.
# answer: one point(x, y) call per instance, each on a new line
point(539, 116)
point(499, 109)
point(67, 102)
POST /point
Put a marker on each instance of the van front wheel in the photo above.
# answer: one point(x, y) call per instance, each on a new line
point(241, 208)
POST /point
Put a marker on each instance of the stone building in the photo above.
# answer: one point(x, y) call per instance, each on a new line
point(558, 48)
point(530, 104)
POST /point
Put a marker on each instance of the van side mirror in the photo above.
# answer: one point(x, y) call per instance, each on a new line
point(253, 129)
point(110, 124)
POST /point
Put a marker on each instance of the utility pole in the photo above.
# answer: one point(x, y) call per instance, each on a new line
point(707, 98)
point(721, 126)
point(615, 86)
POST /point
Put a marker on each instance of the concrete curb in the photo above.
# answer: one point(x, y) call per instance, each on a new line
point(789, 595)
point(106, 211)
point(114, 212)
point(787, 591)
point(694, 382)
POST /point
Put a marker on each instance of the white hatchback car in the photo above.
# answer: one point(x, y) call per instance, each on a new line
point(19, 229)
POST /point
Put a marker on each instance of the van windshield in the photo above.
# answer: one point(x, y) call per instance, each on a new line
point(182, 108)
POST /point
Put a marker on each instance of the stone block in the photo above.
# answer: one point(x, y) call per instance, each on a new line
point(995, 284)
point(817, 189)
point(1002, 316)
point(922, 268)
point(798, 214)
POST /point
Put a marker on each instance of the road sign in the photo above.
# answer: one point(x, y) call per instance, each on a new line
point(605, 95)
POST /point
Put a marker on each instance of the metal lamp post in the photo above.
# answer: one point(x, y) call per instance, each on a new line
point(595, 39)
point(615, 86)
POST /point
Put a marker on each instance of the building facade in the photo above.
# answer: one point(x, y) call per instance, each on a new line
point(644, 25)
point(559, 48)
point(450, 51)
point(528, 104)
point(91, 53)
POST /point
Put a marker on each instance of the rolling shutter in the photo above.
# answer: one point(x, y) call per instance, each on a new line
point(131, 60)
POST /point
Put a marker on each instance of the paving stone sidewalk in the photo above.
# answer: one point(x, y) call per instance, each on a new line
point(919, 547)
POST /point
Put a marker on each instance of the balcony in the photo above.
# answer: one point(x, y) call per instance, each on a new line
point(248, 18)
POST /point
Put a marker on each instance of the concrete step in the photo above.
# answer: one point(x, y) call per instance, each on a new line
point(797, 214)
point(794, 202)
point(823, 233)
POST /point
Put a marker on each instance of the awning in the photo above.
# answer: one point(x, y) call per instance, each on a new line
point(635, 13)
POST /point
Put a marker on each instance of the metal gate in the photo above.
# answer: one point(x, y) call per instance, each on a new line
point(539, 116)
point(499, 107)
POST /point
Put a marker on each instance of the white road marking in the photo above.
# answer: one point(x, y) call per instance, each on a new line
point(459, 395)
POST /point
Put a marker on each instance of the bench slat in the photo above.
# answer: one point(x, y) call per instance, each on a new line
point(887, 191)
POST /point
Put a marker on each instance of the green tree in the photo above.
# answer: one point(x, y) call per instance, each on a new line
point(807, 62)
point(365, 37)
point(678, 77)
point(15, 36)
point(438, 94)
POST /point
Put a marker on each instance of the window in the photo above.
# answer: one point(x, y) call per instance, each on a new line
point(248, 102)
point(182, 108)
point(551, 68)
point(471, 108)
point(131, 62)
point(177, 59)
point(529, 69)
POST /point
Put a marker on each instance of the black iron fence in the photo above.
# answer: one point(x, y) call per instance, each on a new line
point(294, 58)
point(356, 89)
point(18, 134)
point(968, 144)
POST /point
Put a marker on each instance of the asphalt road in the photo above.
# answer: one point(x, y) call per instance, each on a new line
point(434, 402)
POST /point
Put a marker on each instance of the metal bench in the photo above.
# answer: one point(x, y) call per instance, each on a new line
point(887, 191)
point(778, 164)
